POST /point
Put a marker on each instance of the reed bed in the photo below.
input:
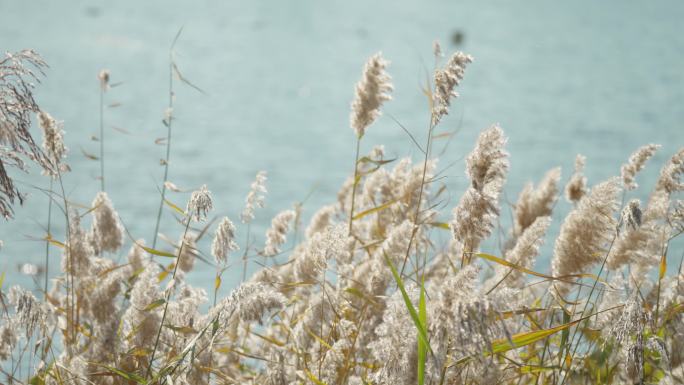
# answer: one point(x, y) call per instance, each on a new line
point(367, 295)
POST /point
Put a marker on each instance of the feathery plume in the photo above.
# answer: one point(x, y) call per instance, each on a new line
point(446, 79)
point(394, 248)
point(473, 217)
point(18, 71)
point(586, 231)
point(249, 302)
point(534, 203)
point(188, 252)
point(330, 244)
point(78, 250)
point(635, 164)
point(577, 186)
point(200, 204)
point(275, 236)
point(320, 220)
point(671, 173)
point(371, 92)
point(53, 143)
point(522, 254)
point(136, 255)
point(255, 197)
point(30, 312)
point(107, 232)
point(8, 338)
point(224, 241)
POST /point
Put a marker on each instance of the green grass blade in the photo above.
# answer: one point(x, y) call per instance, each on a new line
point(158, 252)
point(131, 377)
point(525, 338)
point(422, 347)
point(422, 333)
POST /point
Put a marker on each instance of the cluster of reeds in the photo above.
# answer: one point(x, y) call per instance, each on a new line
point(368, 295)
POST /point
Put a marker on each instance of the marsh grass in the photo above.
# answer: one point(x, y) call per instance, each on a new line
point(366, 295)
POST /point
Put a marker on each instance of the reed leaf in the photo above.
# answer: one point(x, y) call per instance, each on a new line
point(422, 333)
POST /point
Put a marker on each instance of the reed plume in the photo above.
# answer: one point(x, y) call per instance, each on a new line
point(18, 71)
point(372, 91)
point(587, 231)
point(445, 80)
point(577, 186)
point(636, 163)
point(486, 166)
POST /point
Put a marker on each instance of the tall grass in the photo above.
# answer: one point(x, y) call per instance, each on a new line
point(368, 296)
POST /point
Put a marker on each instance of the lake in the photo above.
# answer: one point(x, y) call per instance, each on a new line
point(597, 78)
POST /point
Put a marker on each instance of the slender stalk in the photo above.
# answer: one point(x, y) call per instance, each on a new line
point(420, 198)
point(586, 304)
point(356, 182)
point(169, 121)
point(660, 278)
point(167, 297)
point(244, 255)
point(102, 181)
point(70, 310)
point(47, 242)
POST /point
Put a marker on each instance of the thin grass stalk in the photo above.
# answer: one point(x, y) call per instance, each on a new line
point(167, 297)
point(69, 262)
point(661, 273)
point(356, 182)
point(102, 174)
point(244, 255)
point(579, 290)
point(219, 273)
point(591, 292)
point(681, 264)
point(168, 146)
point(47, 242)
point(420, 199)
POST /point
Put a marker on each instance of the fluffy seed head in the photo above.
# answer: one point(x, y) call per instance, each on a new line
point(473, 217)
point(635, 164)
point(670, 175)
point(587, 230)
point(255, 197)
point(371, 92)
point(188, 252)
point(29, 310)
point(446, 79)
point(577, 186)
point(276, 235)
point(224, 241)
point(522, 254)
point(534, 203)
point(320, 220)
point(107, 232)
point(8, 337)
point(200, 204)
point(53, 143)
point(248, 302)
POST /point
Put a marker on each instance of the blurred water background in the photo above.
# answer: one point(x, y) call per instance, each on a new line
point(597, 78)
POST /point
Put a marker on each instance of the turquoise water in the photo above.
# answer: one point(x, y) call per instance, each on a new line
point(597, 78)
